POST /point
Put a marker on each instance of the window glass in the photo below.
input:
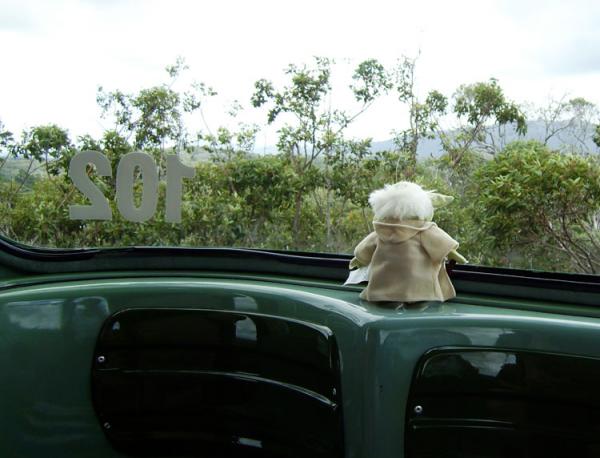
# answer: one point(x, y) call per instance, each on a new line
point(267, 125)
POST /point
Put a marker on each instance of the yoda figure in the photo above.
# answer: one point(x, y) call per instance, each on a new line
point(404, 258)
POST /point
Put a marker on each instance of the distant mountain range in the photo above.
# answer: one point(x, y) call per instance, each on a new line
point(566, 139)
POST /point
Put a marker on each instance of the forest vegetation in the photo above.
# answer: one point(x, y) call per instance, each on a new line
point(519, 203)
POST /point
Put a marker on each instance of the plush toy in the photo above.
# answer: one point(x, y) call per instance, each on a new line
point(404, 258)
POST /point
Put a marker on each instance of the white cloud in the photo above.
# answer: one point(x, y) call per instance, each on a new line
point(56, 53)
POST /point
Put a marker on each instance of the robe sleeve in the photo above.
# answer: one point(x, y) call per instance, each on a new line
point(365, 249)
point(437, 243)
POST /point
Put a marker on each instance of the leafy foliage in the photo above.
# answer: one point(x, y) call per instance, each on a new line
point(423, 117)
point(317, 131)
point(6, 146)
point(479, 104)
point(534, 198)
point(48, 144)
point(522, 206)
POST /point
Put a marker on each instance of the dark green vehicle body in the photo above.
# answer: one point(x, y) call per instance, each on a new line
point(508, 368)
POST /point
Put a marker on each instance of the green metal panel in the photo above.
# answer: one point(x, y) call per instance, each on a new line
point(48, 332)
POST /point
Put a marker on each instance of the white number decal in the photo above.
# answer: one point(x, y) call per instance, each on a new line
point(77, 172)
point(176, 172)
point(125, 186)
point(129, 165)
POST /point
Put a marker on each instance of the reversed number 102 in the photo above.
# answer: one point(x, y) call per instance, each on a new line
point(126, 171)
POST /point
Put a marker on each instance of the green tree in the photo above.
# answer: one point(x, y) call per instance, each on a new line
point(481, 106)
point(152, 119)
point(532, 200)
point(87, 143)
point(583, 114)
point(7, 145)
point(572, 122)
point(49, 145)
point(312, 128)
point(39, 217)
point(423, 116)
point(227, 145)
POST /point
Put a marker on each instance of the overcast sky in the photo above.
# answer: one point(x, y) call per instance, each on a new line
point(56, 53)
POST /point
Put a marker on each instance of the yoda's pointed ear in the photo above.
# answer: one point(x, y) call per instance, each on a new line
point(439, 200)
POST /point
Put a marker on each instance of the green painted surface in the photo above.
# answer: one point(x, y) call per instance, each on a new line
point(48, 332)
point(6, 273)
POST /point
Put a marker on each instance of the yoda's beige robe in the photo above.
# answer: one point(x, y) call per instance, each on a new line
point(406, 262)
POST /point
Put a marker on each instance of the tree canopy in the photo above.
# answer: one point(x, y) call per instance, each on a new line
point(519, 204)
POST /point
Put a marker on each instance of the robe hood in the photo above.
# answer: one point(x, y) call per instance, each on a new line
point(400, 231)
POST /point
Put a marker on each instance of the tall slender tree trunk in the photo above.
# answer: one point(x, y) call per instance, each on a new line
point(297, 214)
point(328, 205)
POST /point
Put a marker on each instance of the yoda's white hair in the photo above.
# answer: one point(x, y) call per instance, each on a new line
point(402, 201)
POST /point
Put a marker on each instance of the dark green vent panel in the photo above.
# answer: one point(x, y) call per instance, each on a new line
point(495, 404)
point(211, 383)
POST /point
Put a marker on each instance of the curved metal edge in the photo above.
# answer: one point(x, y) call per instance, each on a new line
point(326, 266)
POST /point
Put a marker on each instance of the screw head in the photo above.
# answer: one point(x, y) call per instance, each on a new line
point(106, 425)
point(418, 410)
point(101, 359)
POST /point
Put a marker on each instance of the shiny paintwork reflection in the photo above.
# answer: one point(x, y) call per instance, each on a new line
point(504, 404)
point(182, 380)
point(48, 333)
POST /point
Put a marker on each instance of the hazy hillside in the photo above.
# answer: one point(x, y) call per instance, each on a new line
point(12, 167)
point(565, 140)
point(535, 131)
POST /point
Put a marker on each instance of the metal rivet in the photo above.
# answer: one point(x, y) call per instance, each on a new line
point(334, 391)
point(418, 410)
point(116, 326)
point(106, 425)
point(101, 359)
